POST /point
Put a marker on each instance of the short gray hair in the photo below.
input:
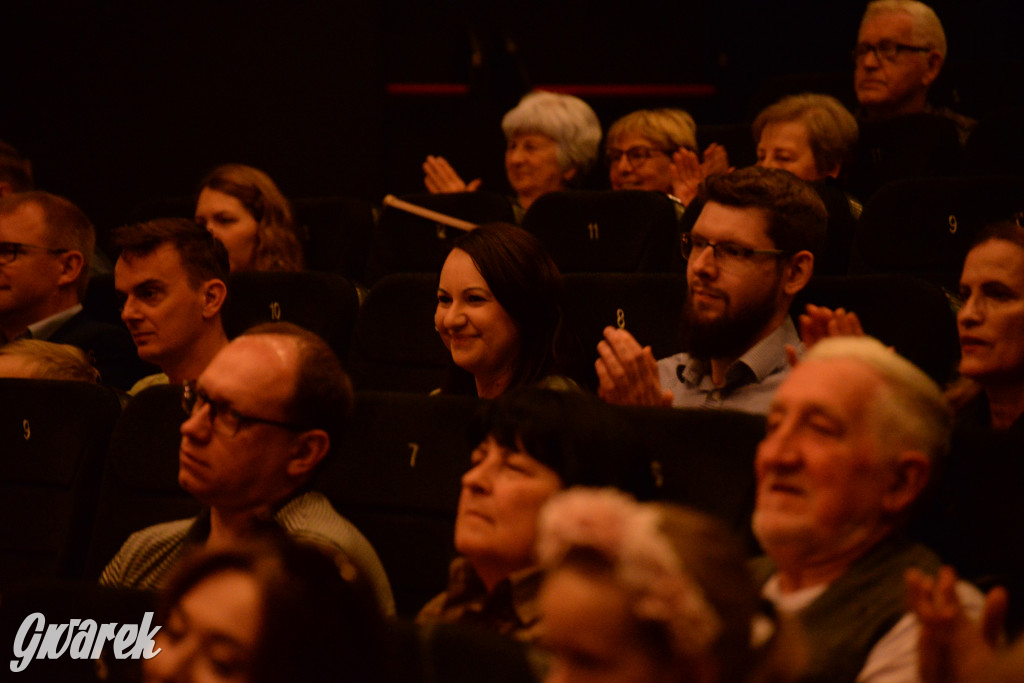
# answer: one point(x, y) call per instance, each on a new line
point(927, 27)
point(909, 408)
point(831, 129)
point(567, 120)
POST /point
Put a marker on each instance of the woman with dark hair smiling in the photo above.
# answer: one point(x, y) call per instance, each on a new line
point(499, 313)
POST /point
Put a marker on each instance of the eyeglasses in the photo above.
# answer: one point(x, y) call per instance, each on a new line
point(637, 156)
point(225, 419)
point(726, 253)
point(886, 50)
point(9, 251)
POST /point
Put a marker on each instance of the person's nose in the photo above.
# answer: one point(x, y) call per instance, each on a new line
point(779, 449)
point(704, 265)
point(129, 310)
point(454, 317)
point(870, 60)
point(198, 426)
point(970, 314)
point(480, 477)
point(171, 665)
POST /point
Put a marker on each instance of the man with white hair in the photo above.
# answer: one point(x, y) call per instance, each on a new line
point(851, 437)
point(900, 50)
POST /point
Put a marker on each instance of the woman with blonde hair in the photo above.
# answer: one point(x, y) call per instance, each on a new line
point(245, 210)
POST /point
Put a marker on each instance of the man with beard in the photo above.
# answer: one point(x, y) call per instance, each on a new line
point(749, 253)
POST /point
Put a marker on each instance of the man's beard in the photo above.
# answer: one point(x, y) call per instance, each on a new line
point(731, 334)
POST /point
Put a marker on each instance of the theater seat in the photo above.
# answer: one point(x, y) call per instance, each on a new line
point(337, 231)
point(908, 313)
point(649, 305)
point(53, 442)
point(703, 459)
point(394, 345)
point(140, 483)
point(598, 232)
point(397, 477)
point(924, 227)
point(325, 303)
point(403, 242)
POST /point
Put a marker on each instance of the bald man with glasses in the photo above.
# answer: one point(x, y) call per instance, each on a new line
point(259, 422)
point(749, 253)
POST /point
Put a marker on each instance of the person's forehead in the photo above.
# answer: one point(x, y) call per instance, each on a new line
point(838, 386)
point(894, 26)
point(164, 263)
point(720, 223)
point(789, 133)
point(253, 370)
point(25, 224)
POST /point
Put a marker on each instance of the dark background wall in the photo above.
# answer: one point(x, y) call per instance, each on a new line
point(119, 102)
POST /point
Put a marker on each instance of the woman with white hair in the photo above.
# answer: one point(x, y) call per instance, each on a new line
point(651, 593)
point(552, 141)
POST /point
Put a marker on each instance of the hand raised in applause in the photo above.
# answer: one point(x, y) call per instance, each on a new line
point(688, 172)
point(819, 322)
point(953, 647)
point(441, 178)
point(716, 160)
point(627, 372)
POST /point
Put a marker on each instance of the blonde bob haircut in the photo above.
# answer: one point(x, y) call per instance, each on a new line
point(831, 129)
point(278, 248)
point(667, 129)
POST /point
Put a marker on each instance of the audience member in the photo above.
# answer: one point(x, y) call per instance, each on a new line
point(499, 313)
point(812, 136)
point(36, 359)
point(243, 208)
point(529, 444)
point(809, 135)
point(991, 323)
point(15, 171)
point(656, 149)
point(651, 593)
point(900, 50)
point(171, 279)
point(552, 142)
point(749, 253)
point(263, 416)
point(852, 435)
point(270, 610)
point(46, 243)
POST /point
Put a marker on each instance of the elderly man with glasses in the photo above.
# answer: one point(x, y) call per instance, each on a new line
point(259, 422)
point(46, 244)
point(749, 253)
point(900, 50)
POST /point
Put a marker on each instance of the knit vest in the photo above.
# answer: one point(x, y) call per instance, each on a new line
point(857, 609)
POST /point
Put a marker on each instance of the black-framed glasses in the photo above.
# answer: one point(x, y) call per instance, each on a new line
point(225, 419)
point(9, 251)
point(887, 50)
point(726, 253)
point(637, 156)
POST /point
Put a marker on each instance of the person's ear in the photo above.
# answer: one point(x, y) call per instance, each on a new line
point(569, 174)
point(910, 477)
point(798, 272)
point(310, 448)
point(214, 292)
point(71, 264)
point(932, 70)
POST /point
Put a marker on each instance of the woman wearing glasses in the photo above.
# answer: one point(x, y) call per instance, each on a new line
point(499, 313)
point(552, 141)
point(656, 149)
point(243, 208)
